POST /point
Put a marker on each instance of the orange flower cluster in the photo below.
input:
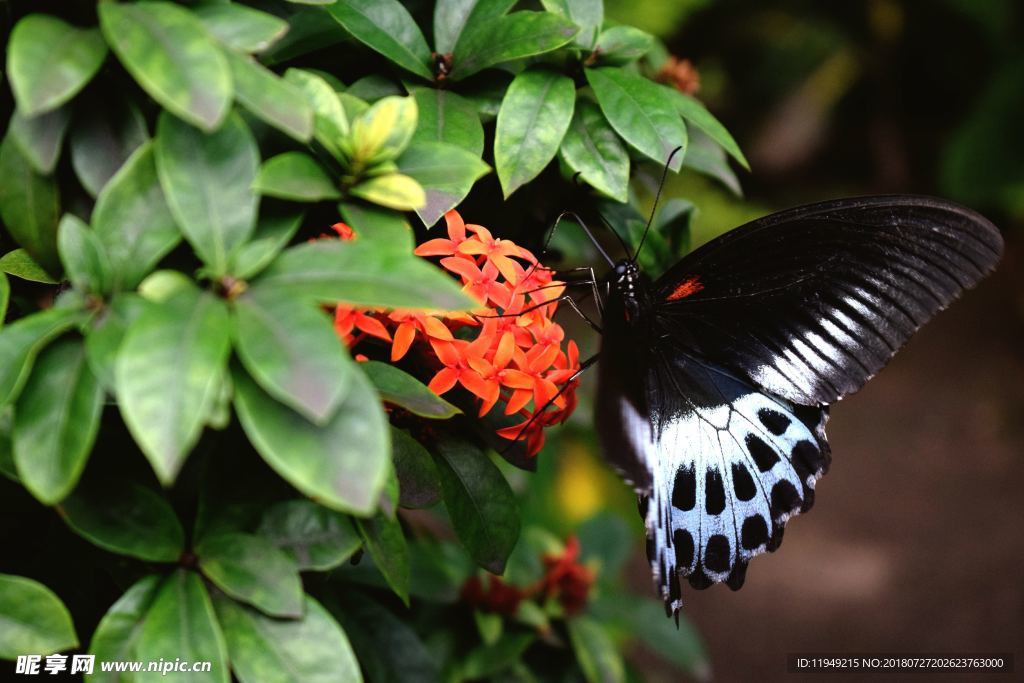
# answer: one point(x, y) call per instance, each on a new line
point(510, 351)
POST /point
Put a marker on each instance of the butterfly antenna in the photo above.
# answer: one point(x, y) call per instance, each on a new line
point(654, 209)
point(585, 229)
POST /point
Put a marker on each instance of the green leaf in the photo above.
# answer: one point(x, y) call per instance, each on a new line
point(447, 117)
point(641, 112)
point(392, 190)
point(445, 172)
point(619, 45)
point(50, 61)
point(5, 297)
point(265, 650)
point(330, 124)
point(273, 233)
point(103, 136)
point(208, 180)
point(592, 149)
point(708, 157)
point(361, 273)
point(316, 537)
point(532, 121)
point(486, 661)
point(385, 26)
point(292, 351)
point(386, 544)
point(21, 340)
point(386, 230)
point(673, 223)
point(369, 88)
point(644, 620)
point(126, 518)
point(697, 114)
point(456, 18)
point(515, 36)
point(250, 569)
point(240, 27)
point(399, 388)
point(19, 264)
point(83, 255)
point(295, 176)
point(133, 221)
point(587, 14)
point(181, 625)
point(29, 205)
point(35, 620)
point(270, 98)
point(378, 636)
point(169, 53)
point(40, 138)
point(481, 504)
point(419, 482)
point(595, 652)
point(167, 375)
point(56, 420)
point(104, 339)
point(342, 464)
point(118, 631)
point(382, 132)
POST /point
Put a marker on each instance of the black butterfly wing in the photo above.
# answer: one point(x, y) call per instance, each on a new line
point(811, 302)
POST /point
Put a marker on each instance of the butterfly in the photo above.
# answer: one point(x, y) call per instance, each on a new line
point(715, 380)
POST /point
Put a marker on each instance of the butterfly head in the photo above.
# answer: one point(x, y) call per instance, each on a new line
point(625, 278)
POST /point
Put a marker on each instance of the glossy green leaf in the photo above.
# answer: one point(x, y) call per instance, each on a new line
point(708, 157)
point(29, 205)
point(399, 388)
point(330, 123)
point(377, 635)
point(595, 652)
point(641, 112)
point(313, 649)
point(19, 264)
point(316, 537)
point(481, 504)
point(456, 18)
point(270, 98)
point(119, 629)
point(587, 14)
point(83, 255)
point(419, 482)
point(382, 132)
point(698, 116)
point(50, 61)
point(342, 464)
point(445, 172)
point(208, 181)
point(273, 233)
point(514, 36)
point(361, 273)
point(295, 176)
point(41, 137)
point(56, 420)
point(181, 625)
point(392, 190)
point(250, 569)
point(291, 350)
point(240, 27)
point(169, 53)
point(386, 544)
point(133, 221)
point(618, 45)
point(447, 117)
point(35, 621)
point(167, 375)
point(103, 136)
point(126, 518)
point(104, 338)
point(22, 340)
point(533, 119)
point(386, 27)
point(592, 149)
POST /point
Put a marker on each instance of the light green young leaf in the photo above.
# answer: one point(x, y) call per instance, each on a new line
point(295, 176)
point(393, 190)
point(382, 132)
point(19, 264)
point(330, 123)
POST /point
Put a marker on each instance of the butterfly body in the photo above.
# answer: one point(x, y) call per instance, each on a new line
point(715, 379)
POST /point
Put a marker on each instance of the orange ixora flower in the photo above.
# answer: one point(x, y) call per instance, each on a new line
point(509, 351)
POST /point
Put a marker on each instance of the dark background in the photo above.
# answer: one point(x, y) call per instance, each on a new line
point(915, 542)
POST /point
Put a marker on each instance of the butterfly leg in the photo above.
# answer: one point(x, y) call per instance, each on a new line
point(564, 298)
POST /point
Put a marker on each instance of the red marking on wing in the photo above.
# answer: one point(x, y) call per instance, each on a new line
point(686, 288)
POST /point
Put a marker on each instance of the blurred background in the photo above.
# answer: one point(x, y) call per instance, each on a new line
point(915, 542)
